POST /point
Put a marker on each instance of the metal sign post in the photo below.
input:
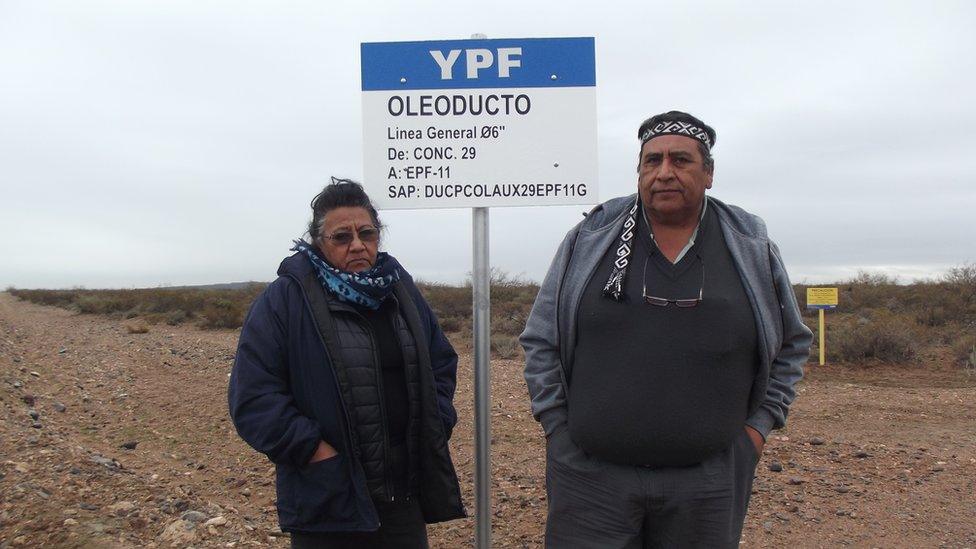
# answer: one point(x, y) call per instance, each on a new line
point(481, 302)
point(474, 124)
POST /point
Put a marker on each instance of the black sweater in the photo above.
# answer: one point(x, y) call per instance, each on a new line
point(664, 386)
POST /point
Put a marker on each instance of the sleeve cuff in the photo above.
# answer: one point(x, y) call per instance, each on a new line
point(762, 421)
point(553, 419)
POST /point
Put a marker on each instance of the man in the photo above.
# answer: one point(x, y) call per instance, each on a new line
point(663, 347)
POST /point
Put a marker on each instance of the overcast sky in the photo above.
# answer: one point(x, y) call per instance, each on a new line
point(148, 143)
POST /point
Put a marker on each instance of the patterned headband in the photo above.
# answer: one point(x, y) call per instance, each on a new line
point(673, 127)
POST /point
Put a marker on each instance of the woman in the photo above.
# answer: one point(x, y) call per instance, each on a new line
point(344, 379)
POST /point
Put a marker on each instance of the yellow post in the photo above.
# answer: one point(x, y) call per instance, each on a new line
point(823, 349)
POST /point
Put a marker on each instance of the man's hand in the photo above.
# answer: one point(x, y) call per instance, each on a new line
point(757, 439)
point(323, 452)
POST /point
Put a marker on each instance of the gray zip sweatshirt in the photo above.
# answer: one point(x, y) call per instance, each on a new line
point(550, 331)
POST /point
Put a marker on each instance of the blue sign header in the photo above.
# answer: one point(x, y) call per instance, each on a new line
point(502, 63)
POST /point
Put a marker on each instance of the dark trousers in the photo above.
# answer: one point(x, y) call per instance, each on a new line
point(401, 527)
point(594, 504)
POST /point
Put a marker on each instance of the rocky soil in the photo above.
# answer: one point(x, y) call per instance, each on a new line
point(117, 439)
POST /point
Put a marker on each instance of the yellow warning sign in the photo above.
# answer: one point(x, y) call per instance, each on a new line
point(821, 298)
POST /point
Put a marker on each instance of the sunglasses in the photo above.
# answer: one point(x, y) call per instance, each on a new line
point(663, 301)
point(368, 235)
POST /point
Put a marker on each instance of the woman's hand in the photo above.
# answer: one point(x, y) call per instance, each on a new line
point(323, 452)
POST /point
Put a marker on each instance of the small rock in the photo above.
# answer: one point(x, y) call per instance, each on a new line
point(137, 326)
point(768, 526)
point(842, 489)
point(34, 414)
point(193, 516)
point(776, 467)
point(20, 467)
point(861, 454)
point(817, 441)
point(107, 462)
point(179, 533)
point(62, 351)
point(216, 521)
point(246, 492)
point(37, 425)
point(938, 468)
point(58, 407)
point(17, 384)
point(35, 374)
point(122, 508)
point(131, 445)
point(841, 513)
point(75, 471)
point(29, 400)
point(87, 506)
point(796, 481)
point(70, 522)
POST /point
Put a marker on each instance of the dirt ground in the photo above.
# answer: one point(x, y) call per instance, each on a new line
point(873, 457)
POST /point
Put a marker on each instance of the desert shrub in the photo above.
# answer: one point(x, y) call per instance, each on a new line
point(935, 315)
point(964, 351)
point(962, 276)
point(173, 318)
point(222, 313)
point(511, 301)
point(103, 303)
point(505, 346)
point(882, 336)
point(450, 325)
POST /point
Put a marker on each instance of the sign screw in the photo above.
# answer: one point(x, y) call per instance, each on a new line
point(555, 164)
point(552, 77)
point(403, 80)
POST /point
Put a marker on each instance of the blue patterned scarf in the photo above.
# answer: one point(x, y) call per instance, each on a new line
point(367, 289)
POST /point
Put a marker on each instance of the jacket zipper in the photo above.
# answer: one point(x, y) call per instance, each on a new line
point(396, 334)
point(378, 367)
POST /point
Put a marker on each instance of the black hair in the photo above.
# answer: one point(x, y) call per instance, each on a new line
point(340, 193)
point(680, 116)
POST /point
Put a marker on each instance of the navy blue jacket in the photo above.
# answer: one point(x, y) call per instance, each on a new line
point(284, 397)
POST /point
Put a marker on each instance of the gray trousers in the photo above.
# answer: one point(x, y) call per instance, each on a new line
point(595, 504)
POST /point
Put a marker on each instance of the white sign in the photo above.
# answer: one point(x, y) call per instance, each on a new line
point(475, 123)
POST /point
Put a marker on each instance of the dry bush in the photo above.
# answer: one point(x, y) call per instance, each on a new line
point(505, 346)
point(900, 322)
point(964, 351)
point(511, 300)
point(213, 308)
point(882, 336)
point(174, 318)
point(223, 313)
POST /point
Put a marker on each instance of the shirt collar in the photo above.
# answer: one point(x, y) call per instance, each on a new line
point(691, 239)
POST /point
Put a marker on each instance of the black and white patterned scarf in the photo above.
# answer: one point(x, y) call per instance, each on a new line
point(614, 289)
